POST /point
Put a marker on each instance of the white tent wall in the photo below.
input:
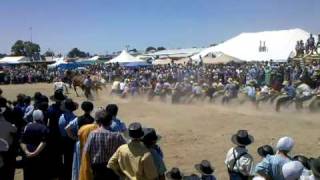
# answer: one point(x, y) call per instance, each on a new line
point(279, 45)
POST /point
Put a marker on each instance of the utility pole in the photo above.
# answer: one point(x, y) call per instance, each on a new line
point(30, 33)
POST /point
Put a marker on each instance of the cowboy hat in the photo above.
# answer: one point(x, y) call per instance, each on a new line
point(204, 167)
point(69, 105)
point(58, 96)
point(135, 130)
point(150, 135)
point(242, 138)
point(174, 174)
point(265, 150)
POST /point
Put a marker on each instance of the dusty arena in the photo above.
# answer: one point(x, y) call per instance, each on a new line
point(193, 132)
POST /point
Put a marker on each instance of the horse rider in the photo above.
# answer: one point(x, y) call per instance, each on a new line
point(60, 85)
point(289, 94)
point(87, 86)
point(230, 91)
point(303, 93)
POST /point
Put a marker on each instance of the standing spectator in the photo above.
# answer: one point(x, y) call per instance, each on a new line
point(134, 160)
point(206, 170)
point(271, 166)
point(83, 134)
point(54, 140)
point(100, 146)
point(150, 139)
point(68, 107)
point(7, 134)
point(72, 131)
point(239, 162)
point(34, 140)
point(116, 124)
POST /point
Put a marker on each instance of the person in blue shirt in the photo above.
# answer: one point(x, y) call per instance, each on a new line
point(289, 93)
point(116, 124)
point(67, 145)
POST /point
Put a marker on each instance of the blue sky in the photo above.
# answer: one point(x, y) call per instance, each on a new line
point(98, 26)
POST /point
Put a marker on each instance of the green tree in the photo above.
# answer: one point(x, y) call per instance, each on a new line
point(49, 53)
point(161, 48)
point(150, 48)
point(29, 49)
point(2, 55)
point(75, 52)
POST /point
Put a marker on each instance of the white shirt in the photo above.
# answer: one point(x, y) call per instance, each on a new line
point(303, 90)
point(115, 85)
point(244, 165)
point(58, 85)
point(122, 85)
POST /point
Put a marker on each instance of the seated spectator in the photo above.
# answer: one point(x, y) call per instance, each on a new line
point(271, 166)
point(206, 170)
point(100, 146)
point(239, 162)
point(292, 170)
point(150, 139)
point(134, 160)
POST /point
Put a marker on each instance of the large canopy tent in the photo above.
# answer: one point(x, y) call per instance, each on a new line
point(14, 60)
point(124, 57)
point(260, 46)
point(220, 58)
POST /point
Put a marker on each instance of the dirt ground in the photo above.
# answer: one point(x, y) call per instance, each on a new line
point(191, 133)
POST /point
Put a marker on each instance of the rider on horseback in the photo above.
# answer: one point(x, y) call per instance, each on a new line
point(303, 93)
point(289, 94)
point(87, 83)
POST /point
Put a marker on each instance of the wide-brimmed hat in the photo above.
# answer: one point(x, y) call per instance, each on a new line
point(58, 96)
point(242, 138)
point(265, 150)
point(204, 167)
point(174, 174)
point(135, 130)
point(315, 167)
point(150, 135)
point(69, 105)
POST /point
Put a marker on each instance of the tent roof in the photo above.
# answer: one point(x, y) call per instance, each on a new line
point(220, 58)
point(279, 45)
point(124, 57)
point(14, 59)
point(177, 52)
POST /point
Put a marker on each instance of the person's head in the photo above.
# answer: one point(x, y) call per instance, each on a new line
point(150, 137)
point(3, 105)
point(69, 105)
point(58, 96)
point(37, 116)
point(285, 145)
point(265, 150)
point(103, 118)
point(174, 174)
point(37, 96)
point(20, 98)
point(292, 170)
point(204, 167)
point(87, 107)
point(27, 100)
point(112, 109)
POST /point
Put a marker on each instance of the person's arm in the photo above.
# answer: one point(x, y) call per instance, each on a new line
point(114, 164)
point(72, 125)
point(38, 150)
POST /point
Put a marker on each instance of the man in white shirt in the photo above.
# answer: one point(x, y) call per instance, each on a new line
point(303, 93)
point(238, 161)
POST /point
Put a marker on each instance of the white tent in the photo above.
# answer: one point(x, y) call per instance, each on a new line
point(14, 60)
point(260, 46)
point(58, 61)
point(124, 57)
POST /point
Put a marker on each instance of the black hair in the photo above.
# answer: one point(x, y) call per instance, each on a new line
point(112, 109)
point(104, 118)
point(87, 106)
point(27, 100)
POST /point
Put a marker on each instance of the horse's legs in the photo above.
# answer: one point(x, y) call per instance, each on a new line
point(75, 89)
